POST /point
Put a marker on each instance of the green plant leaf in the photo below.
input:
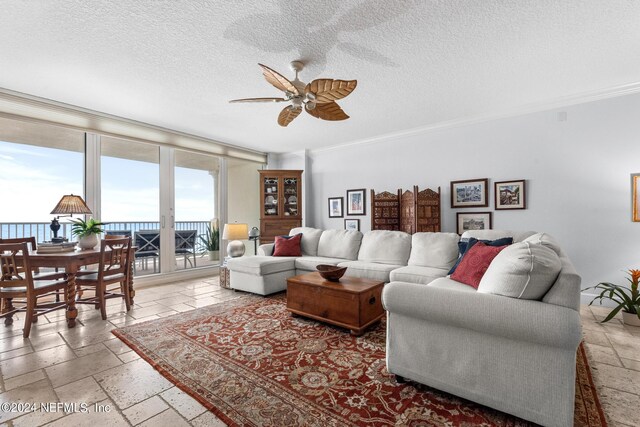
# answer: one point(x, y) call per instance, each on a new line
point(612, 314)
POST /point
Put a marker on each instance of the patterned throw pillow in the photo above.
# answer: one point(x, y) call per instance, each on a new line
point(465, 245)
point(474, 264)
point(288, 245)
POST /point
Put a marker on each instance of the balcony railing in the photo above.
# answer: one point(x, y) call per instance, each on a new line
point(42, 232)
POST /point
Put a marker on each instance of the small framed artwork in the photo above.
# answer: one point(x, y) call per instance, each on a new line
point(356, 202)
point(352, 224)
point(473, 221)
point(635, 197)
point(470, 193)
point(335, 207)
point(510, 195)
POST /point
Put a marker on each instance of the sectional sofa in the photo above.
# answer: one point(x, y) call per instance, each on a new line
point(510, 345)
point(379, 255)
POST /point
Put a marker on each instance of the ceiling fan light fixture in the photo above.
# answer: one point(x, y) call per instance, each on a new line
point(318, 97)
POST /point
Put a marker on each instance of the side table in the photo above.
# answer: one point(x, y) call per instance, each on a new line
point(224, 278)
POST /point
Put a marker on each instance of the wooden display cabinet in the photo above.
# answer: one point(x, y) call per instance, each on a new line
point(280, 202)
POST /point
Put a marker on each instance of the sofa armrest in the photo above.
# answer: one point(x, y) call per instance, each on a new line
point(511, 318)
point(266, 249)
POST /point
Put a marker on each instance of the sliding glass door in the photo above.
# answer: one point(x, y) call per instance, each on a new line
point(196, 210)
point(130, 192)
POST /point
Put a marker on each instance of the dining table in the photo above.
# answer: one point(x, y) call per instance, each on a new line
point(71, 262)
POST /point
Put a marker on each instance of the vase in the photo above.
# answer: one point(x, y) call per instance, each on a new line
point(214, 255)
point(630, 319)
point(88, 242)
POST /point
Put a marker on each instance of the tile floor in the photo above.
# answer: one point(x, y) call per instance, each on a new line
point(89, 365)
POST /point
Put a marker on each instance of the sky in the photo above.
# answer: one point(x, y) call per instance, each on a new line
point(35, 178)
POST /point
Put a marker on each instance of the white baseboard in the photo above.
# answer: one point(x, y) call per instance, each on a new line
point(175, 276)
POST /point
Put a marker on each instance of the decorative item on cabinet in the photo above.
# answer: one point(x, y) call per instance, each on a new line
point(280, 202)
point(410, 211)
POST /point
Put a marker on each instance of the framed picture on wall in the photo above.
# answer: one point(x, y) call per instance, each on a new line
point(357, 202)
point(510, 195)
point(635, 197)
point(335, 207)
point(470, 193)
point(473, 221)
point(352, 224)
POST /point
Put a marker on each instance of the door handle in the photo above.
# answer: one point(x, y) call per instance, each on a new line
point(173, 222)
point(163, 224)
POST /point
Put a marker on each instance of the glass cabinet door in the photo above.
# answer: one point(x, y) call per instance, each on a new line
point(291, 197)
point(270, 196)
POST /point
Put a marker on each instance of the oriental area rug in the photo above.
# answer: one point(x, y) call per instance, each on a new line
point(252, 364)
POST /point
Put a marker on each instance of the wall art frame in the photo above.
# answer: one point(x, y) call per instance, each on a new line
point(357, 201)
point(510, 194)
point(467, 221)
point(336, 207)
point(470, 193)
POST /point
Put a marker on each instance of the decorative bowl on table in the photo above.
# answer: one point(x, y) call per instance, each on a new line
point(331, 273)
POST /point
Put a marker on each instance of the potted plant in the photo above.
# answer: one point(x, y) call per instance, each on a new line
point(627, 299)
point(211, 242)
point(87, 232)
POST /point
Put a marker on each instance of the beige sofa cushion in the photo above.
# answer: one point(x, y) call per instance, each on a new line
point(436, 250)
point(310, 239)
point(446, 283)
point(261, 265)
point(368, 270)
point(417, 274)
point(309, 263)
point(385, 247)
point(523, 270)
point(339, 244)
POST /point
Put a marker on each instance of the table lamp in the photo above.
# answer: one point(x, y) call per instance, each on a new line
point(67, 206)
point(235, 232)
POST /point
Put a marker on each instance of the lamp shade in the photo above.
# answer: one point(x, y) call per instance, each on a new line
point(70, 205)
point(235, 232)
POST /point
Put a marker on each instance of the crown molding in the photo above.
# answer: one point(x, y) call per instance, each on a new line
point(21, 106)
point(560, 102)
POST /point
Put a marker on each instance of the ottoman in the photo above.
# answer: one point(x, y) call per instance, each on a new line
point(261, 275)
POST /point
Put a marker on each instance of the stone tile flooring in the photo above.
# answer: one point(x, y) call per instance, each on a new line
point(89, 365)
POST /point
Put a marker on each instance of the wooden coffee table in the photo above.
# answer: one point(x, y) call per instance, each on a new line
point(351, 303)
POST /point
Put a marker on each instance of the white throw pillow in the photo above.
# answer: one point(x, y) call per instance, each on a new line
point(545, 240)
point(523, 270)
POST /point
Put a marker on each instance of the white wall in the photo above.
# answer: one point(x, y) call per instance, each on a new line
point(244, 196)
point(577, 172)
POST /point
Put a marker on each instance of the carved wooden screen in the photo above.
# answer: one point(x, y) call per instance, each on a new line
point(427, 210)
point(385, 210)
point(411, 212)
point(408, 211)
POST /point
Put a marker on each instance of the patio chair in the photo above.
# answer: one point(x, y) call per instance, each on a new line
point(123, 233)
point(186, 245)
point(17, 286)
point(147, 244)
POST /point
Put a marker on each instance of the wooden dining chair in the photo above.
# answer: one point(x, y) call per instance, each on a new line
point(37, 275)
point(17, 286)
point(113, 269)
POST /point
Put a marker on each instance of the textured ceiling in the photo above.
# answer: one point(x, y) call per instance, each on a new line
point(418, 63)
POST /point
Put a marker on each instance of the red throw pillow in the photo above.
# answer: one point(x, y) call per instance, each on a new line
point(474, 264)
point(288, 245)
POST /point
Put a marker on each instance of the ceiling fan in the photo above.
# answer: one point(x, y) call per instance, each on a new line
point(318, 97)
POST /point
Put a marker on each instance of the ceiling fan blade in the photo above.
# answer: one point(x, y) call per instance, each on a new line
point(329, 111)
point(257, 100)
point(328, 90)
point(288, 114)
point(278, 80)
